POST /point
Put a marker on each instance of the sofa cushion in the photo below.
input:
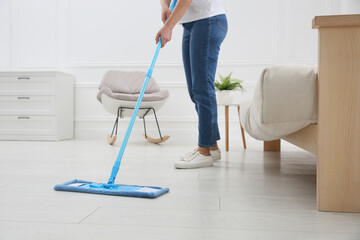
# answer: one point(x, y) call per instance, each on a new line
point(284, 101)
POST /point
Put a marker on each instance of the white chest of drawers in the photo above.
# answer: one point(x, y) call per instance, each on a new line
point(36, 106)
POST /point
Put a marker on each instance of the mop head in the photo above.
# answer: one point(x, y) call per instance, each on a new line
point(111, 189)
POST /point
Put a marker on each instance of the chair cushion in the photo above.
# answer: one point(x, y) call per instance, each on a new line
point(127, 86)
point(156, 96)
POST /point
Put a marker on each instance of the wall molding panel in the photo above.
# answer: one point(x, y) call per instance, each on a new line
point(38, 34)
point(307, 36)
point(162, 85)
point(5, 33)
point(161, 64)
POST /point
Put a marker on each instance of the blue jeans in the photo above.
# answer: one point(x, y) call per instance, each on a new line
point(200, 51)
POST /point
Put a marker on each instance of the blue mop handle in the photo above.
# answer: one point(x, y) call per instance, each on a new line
point(117, 163)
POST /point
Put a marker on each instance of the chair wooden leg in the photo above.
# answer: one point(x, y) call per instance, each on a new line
point(272, 146)
point(242, 130)
point(243, 137)
point(227, 128)
point(111, 139)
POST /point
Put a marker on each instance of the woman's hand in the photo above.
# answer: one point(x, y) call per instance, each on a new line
point(165, 33)
point(171, 18)
point(165, 14)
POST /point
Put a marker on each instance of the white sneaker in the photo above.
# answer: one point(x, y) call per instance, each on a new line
point(196, 160)
point(215, 154)
point(188, 154)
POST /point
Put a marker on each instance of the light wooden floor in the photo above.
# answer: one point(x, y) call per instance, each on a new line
point(247, 195)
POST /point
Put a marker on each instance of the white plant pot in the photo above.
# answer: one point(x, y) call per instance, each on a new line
point(228, 97)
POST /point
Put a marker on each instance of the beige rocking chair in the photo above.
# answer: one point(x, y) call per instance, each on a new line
point(118, 93)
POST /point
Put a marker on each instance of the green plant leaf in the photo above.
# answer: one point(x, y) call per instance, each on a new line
point(228, 83)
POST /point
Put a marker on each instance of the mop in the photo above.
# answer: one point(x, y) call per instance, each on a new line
point(111, 188)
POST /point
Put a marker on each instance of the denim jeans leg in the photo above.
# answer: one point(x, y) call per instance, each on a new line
point(201, 46)
point(219, 27)
point(186, 59)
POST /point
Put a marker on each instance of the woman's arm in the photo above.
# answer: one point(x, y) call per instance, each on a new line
point(166, 31)
point(165, 11)
point(165, 3)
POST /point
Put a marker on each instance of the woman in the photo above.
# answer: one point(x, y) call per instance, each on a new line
point(205, 28)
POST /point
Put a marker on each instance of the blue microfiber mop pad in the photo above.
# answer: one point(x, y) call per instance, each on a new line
point(111, 189)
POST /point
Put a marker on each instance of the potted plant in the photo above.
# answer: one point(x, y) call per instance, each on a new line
point(228, 90)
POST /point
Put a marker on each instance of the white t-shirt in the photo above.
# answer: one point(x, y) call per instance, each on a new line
point(200, 9)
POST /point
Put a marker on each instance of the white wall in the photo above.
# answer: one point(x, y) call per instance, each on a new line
point(88, 37)
point(350, 6)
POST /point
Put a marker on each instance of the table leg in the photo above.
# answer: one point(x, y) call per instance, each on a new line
point(227, 128)
point(242, 130)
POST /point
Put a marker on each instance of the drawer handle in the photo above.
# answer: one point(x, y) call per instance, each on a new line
point(23, 117)
point(23, 78)
point(21, 98)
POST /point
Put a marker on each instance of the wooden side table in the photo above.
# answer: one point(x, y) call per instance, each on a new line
point(227, 127)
